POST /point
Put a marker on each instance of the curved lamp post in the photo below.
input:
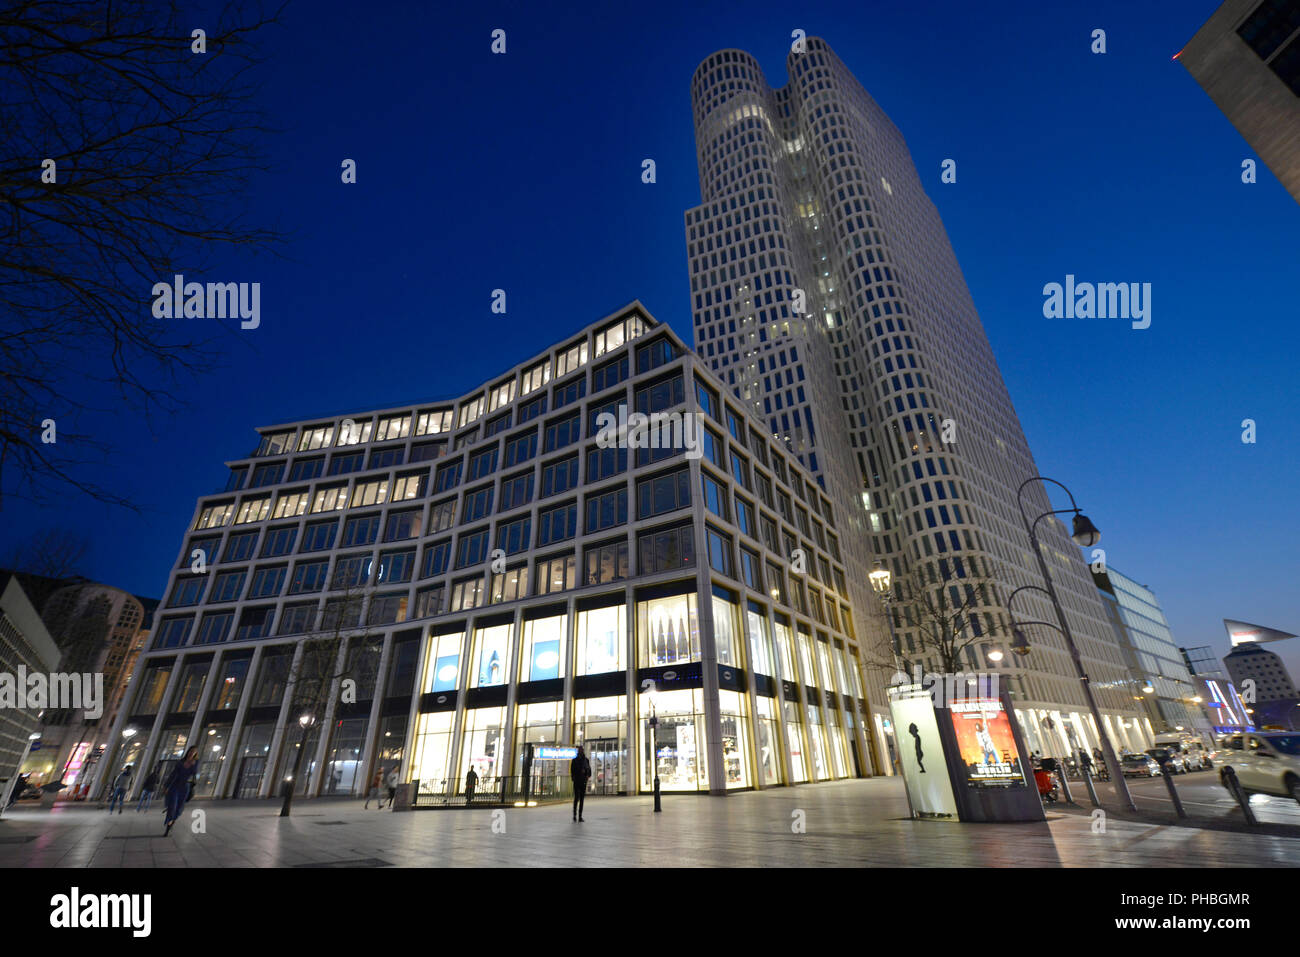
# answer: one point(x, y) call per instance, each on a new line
point(1085, 535)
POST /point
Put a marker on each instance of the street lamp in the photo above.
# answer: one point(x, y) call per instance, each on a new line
point(1085, 535)
point(304, 721)
point(880, 578)
point(995, 654)
point(652, 689)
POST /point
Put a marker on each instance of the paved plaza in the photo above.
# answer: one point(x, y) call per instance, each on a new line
point(858, 823)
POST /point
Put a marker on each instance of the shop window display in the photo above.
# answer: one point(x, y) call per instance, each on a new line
point(600, 726)
point(544, 648)
point(677, 747)
point(491, 656)
point(443, 669)
point(760, 640)
point(601, 639)
point(433, 750)
point(767, 745)
point(794, 735)
point(724, 629)
point(484, 738)
point(668, 631)
point(817, 744)
point(735, 739)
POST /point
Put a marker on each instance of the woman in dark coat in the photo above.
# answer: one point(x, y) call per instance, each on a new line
point(178, 786)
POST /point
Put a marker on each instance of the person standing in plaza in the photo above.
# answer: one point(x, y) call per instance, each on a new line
point(392, 788)
point(179, 783)
point(580, 772)
point(146, 791)
point(120, 784)
point(471, 779)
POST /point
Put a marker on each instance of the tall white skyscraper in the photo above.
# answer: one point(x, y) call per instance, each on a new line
point(826, 294)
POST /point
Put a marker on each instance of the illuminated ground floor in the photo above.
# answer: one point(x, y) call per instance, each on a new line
point(727, 693)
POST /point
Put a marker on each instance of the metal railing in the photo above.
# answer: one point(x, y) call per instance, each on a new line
point(502, 791)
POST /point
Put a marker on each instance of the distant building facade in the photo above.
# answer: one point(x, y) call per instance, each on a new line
point(1155, 660)
point(1247, 58)
point(25, 646)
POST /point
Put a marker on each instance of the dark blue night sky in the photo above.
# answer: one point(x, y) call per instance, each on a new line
point(522, 172)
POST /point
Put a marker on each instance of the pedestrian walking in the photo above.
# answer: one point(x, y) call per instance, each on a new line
point(580, 771)
point(120, 784)
point(392, 788)
point(471, 779)
point(372, 793)
point(147, 790)
point(1085, 761)
point(180, 784)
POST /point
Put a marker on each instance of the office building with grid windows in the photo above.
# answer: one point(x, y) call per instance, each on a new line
point(1247, 59)
point(503, 575)
point(826, 294)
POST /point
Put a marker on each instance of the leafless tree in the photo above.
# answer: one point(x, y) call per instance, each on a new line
point(123, 158)
point(53, 553)
point(936, 604)
point(340, 658)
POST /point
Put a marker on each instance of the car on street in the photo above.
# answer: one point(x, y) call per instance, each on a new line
point(1139, 766)
point(1265, 762)
point(1176, 760)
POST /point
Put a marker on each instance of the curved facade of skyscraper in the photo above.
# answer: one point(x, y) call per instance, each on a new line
point(825, 292)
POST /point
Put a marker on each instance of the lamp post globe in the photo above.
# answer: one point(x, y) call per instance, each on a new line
point(1085, 534)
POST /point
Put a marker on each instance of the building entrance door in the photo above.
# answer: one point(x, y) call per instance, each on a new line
point(251, 770)
point(607, 757)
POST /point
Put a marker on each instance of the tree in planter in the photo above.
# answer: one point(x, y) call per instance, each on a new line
point(336, 660)
point(937, 601)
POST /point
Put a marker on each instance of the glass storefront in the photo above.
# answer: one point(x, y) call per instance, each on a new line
point(784, 644)
point(190, 688)
point(443, 669)
point(667, 631)
point(768, 741)
point(602, 640)
point(544, 649)
point(759, 633)
point(491, 657)
point(725, 633)
point(794, 735)
point(234, 675)
point(735, 739)
point(676, 750)
point(253, 754)
point(804, 641)
point(484, 738)
point(212, 756)
point(152, 687)
point(538, 724)
point(431, 766)
point(817, 744)
point(343, 759)
point(600, 726)
point(837, 745)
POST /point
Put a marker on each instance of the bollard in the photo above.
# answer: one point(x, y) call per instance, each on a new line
point(1173, 792)
point(1065, 785)
point(657, 805)
point(1092, 791)
point(1235, 788)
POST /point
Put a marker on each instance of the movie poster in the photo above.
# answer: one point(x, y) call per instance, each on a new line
point(986, 743)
